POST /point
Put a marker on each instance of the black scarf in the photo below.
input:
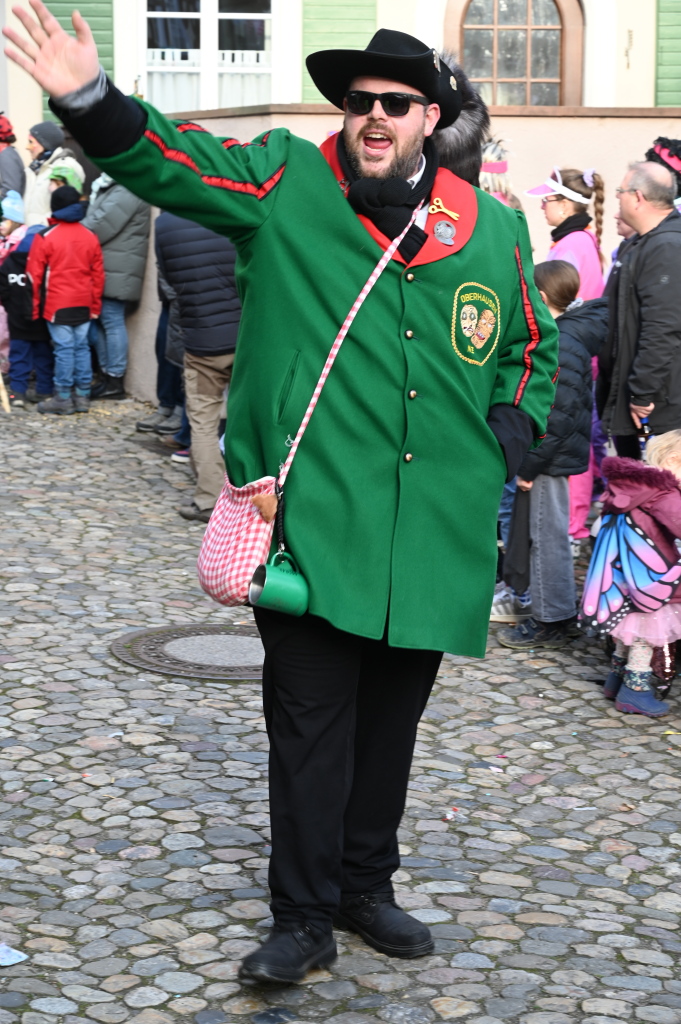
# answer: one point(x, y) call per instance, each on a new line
point(576, 222)
point(389, 202)
point(36, 164)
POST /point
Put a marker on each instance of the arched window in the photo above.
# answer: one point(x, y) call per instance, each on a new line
point(520, 52)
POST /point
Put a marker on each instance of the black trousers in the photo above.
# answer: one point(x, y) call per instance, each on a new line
point(341, 713)
point(628, 446)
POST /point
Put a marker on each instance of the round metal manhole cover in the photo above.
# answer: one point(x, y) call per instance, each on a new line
point(194, 652)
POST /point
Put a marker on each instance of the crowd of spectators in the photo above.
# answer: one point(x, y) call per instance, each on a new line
point(72, 269)
point(73, 257)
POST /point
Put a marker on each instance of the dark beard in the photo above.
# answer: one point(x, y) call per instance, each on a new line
point(401, 166)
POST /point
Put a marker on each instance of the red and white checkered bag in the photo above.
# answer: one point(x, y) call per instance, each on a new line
point(238, 539)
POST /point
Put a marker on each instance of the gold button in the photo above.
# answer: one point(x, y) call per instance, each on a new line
point(408, 457)
point(413, 394)
point(410, 277)
point(409, 334)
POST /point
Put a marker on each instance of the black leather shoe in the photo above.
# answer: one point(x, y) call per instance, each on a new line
point(381, 923)
point(288, 955)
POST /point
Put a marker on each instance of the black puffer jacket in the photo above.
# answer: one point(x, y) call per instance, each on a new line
point(16, 293)
point(641, 361)
point(199, 267)
point(565, 449)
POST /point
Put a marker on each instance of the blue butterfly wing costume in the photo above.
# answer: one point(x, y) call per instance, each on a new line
point(626, 573)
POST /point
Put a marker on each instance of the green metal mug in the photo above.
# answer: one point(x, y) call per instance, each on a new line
point(280, 586)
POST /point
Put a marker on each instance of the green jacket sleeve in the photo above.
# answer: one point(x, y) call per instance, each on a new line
point(226, 186)
point(528, 356)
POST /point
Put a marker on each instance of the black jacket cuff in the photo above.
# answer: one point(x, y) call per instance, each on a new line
point(514, 431)
point(112, 126)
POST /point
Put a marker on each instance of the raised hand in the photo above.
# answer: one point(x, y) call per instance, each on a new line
point(57, 61)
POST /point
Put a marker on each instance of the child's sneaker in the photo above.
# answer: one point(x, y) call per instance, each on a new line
point(640, 701)
point(181, 458)
point(58, 406)
point(81, 403)
point(528, 635)
point(506, 607)
point(17, 400)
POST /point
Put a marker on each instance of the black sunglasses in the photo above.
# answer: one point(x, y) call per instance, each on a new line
point(395, 104)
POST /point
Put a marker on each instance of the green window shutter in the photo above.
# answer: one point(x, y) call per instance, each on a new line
point(668, 70)
point(329, 25)
point(99, 15)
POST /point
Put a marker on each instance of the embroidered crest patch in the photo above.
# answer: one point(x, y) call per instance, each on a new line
point(476, 322)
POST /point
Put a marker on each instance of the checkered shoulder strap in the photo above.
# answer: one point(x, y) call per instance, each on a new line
point(335, 348)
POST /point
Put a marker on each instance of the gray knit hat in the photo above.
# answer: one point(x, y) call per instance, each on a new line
point(48, 134)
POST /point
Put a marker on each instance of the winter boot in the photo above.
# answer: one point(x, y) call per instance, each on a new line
point(109, 387)
point(59, 405)
point(170, 424)
point(636, 697)
point(149, 423)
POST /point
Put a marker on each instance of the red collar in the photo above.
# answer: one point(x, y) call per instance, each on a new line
point(449, 192)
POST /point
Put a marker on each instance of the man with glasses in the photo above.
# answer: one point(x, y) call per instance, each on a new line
point(640, 364)
point(392, 501)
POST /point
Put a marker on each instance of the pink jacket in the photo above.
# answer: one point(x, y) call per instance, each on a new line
point(580, 248)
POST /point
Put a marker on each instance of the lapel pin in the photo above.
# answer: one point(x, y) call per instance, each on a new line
point(444, 232)
point(437, 206)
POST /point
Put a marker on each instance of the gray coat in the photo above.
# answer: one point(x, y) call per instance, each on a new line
point(121, 222)
point(12, 172)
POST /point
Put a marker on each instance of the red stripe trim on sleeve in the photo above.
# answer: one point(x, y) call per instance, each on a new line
point(259, 191)
point(532, 328)
point(228, 143)
point(215, 181)
point(189, 126)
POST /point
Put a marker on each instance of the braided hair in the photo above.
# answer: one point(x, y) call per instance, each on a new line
point(575, 180)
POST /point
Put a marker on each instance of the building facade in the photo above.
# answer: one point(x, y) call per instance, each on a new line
point(186, 55)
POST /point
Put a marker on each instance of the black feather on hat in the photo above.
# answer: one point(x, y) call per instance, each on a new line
point(392, 55)
point(460, 145)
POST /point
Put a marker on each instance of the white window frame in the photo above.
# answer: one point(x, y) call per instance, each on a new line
point(209, 65)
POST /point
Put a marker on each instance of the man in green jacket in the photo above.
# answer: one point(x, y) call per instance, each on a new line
point(444, 381)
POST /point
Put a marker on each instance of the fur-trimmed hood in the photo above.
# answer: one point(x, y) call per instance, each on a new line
point(652, 496)
point(460, 146)
point(632, 483)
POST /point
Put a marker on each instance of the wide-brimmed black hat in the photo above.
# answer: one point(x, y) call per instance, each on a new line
point(393, 55)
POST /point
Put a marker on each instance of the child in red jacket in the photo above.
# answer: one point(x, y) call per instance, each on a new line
point(66, 270)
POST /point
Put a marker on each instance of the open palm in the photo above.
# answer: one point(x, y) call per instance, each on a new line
point(57, 61)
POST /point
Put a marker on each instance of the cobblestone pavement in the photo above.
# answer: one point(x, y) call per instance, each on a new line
point(133, 813)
